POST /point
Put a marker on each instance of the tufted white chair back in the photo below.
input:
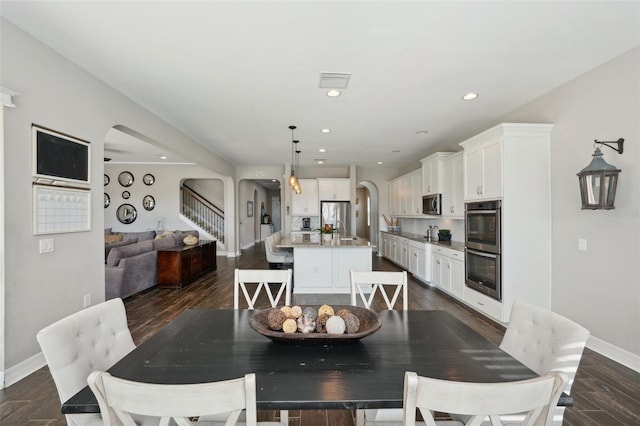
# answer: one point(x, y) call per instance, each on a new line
point(545, 341)
point(92, 339)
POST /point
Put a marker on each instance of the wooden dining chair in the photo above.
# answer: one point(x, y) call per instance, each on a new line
point(482, 400)
point(93, 338)
point(179, 403)
point(251, 282)
point(379, 282)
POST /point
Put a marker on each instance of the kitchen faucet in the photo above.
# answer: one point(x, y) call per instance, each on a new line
point(338, 222)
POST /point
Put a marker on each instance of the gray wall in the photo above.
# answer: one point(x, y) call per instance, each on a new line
point(42, 288)
point(599, 288)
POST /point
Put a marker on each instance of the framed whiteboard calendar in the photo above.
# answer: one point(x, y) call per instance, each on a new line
point(60, 210)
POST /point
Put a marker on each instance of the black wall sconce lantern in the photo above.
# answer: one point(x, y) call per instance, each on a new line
point(599, 180)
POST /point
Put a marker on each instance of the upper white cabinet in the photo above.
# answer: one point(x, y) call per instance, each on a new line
point(452, 196)
point(335, 189)
point(483, 167)
point(432, 173)
point(405, 194)
point(306, 203)
point(415, 194)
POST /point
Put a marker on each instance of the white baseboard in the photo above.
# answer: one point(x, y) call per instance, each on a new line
point(614, 353)
point(20, 371)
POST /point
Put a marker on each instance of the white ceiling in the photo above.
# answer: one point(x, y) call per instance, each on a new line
point(233, 75)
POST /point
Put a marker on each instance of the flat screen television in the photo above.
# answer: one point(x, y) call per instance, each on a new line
point(60, 159)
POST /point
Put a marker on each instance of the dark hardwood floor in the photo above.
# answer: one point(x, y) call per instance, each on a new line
point(605, 393)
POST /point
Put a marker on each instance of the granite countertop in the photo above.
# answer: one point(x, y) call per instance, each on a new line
point(314, 240)
point(454, 245)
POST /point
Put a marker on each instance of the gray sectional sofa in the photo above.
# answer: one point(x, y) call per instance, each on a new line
point(131, 265)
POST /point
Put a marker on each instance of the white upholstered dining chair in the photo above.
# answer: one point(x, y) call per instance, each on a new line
point(545, 341)
point(94, 338)
point(251, 282)
point(379, 282)
point(481, 400)
point(179, 403)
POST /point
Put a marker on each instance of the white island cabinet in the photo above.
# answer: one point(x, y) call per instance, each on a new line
point(323, 267)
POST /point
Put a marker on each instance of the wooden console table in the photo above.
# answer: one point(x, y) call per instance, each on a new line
point(178, 266)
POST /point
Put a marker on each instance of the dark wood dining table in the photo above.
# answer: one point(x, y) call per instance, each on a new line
point(211, 345)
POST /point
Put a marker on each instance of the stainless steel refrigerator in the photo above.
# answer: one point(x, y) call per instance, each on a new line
point(338, 214)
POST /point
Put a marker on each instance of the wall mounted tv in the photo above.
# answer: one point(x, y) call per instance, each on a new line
point(60, 159)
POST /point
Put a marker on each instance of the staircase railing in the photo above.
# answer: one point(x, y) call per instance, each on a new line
point(202, 212)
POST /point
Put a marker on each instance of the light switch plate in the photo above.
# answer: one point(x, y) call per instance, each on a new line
point(582, 244)
point(46, 245)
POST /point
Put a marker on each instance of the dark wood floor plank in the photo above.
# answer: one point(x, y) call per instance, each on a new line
point(606, 393)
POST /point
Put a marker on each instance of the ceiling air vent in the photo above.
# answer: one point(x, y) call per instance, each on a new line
point(334, 80)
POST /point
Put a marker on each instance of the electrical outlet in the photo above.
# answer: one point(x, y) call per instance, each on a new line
point(582, 244)
point(86, 300)
point(46, 245)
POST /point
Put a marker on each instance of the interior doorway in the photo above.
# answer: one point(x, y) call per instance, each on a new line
point(369, 202)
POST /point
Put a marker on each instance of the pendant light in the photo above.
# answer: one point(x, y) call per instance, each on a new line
point(296, 187)
point(293, 179)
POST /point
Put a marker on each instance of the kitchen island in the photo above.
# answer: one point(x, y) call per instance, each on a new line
point(323, 267)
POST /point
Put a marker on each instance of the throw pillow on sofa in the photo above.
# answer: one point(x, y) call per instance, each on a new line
point(141, 236)
point(127, 251)
point(110, 238)
point(164, 243)
point(109, 246)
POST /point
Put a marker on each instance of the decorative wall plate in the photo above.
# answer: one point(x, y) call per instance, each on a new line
point(107, 200)
point(106, 180)
point(126, 195)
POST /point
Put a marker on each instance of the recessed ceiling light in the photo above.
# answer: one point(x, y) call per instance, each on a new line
point(322, 150)
point(333, 93)
point(326, 130)
point(163, 157)
point(274, 180)
point(470, 96)
point(320, 162)
point(379, 162)
point(421, 132)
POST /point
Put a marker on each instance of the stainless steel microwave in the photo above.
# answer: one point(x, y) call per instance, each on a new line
point(431, 204)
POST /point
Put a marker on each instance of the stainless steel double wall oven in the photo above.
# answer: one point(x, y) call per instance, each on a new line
point(483, 251)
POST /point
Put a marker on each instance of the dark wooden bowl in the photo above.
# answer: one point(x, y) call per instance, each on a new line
point(369, 323)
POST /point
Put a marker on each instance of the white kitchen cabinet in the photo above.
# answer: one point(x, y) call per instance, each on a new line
point(438, 277)
point(483, 168)
point(386, 250)
point(335, 189)
point(432, 173)
point(456, 271)
point(417, 258)
point(405, 194)
point(511, 162)
point(453, 194)
point(306, 203)
point(448, 270)
point(415, 203)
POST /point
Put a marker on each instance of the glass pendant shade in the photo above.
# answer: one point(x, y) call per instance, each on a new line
point(598, 183)
point(292, 179)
